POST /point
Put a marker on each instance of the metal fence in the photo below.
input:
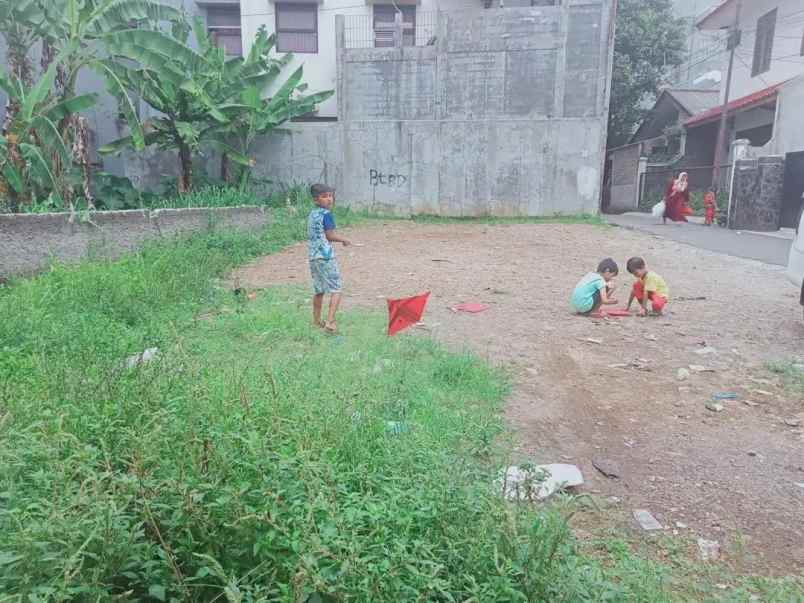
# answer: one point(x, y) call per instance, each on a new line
point(366, 31)
point(653, 184)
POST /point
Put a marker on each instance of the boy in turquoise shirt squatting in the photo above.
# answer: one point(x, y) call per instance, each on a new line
point(594, 290)
point(323, 267)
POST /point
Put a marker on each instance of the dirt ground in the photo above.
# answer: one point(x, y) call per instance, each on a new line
point(608, 391)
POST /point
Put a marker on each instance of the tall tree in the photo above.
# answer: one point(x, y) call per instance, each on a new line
point(77, 30)
point(21, 25)
point(649, 42)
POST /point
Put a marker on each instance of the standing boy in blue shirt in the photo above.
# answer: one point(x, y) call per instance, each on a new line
point(323, 267)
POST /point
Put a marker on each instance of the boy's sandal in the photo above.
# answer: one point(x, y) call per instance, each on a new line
point(331, 328)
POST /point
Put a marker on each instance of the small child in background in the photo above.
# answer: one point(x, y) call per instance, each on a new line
point(710, 208)
point(595, 289)
point(648, 287)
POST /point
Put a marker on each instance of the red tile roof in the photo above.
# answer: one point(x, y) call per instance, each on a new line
point(746, 102)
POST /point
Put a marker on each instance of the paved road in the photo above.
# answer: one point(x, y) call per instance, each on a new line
point(769, 248)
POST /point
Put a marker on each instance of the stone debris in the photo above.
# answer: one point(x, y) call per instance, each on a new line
point(714, 406)
point(708, 550)
point(705, 351)
point(143, 358)
point(537, 482)
point(699, 368)
point(606, 467)
point(647, 520)
point(750, 403)
point(682, 374)
point(792, 422)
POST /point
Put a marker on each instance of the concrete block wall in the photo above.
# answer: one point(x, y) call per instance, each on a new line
point(30, 242)
point(504, 115)
point(625, 178)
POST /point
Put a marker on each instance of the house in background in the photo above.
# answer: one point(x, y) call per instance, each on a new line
point(701, 68)
point(637, 173)
point(307, 29)
point(764, 109)
point(767, 87)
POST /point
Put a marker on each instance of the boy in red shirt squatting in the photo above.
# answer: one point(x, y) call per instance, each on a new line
point(710, 207)
point(648, 287)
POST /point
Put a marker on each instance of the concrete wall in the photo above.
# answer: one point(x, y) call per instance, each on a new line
point(787, 136)
point(625, 178)
point(30, 242)
point(505, 115)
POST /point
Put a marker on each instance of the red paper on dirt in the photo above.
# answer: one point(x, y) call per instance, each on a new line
point(405, 312)
point(471, 308)
point(616, 313)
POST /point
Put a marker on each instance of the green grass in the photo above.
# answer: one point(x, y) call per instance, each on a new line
point(790, 372)
point(252, 461)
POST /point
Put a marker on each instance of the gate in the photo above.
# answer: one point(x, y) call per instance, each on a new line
point(654, 182)
point(793, 189)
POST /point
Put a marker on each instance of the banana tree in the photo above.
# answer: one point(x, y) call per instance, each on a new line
point(248, 113)
point(26, 170)
point(21, 25)
point(173, 79)
point(76, 29)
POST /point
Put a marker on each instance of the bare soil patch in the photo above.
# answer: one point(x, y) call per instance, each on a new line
point(729, 476)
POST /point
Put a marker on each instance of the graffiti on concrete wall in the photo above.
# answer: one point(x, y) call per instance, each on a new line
point(391, 180)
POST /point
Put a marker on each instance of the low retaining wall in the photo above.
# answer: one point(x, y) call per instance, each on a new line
point(30, 242)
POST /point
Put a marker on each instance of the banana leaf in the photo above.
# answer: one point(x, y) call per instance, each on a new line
point(50, 137)
point(121, 144)
point(75, 104)
point(118, 89)
point(35, 158)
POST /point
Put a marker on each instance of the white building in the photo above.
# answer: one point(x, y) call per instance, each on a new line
point(701, 68)
point(768, 65)
point(767, 84)
point(307, 29)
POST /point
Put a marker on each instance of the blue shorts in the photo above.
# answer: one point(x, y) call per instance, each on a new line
point(326, 276)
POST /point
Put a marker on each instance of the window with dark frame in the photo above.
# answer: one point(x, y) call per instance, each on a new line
point(763, 45)
point(223, 25)
point(297, 28)
point(384, 17)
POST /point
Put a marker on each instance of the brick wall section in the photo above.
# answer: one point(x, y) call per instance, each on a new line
point(30, 242)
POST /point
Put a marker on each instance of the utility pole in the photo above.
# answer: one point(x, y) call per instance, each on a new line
point(732, 42)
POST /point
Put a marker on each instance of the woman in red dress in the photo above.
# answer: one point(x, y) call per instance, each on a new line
point(677, 199)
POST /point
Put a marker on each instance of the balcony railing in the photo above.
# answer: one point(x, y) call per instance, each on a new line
point(365, 31)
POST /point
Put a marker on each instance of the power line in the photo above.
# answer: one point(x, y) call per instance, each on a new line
point(785, 17)
point(747, 66)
